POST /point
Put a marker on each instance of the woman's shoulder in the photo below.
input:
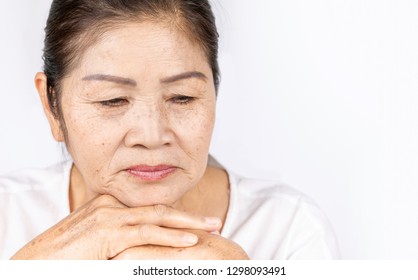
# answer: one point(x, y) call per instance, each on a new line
point(247, 190)
point(274, 193)
point(31, 200)
point(291, 224)
point(35, 179)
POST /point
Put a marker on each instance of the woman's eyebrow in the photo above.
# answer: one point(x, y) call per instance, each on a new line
point(183, 76)
point(133, 83)
point(110, 78)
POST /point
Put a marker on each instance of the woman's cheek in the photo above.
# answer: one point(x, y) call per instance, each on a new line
point(91, 142)
point(194, 125)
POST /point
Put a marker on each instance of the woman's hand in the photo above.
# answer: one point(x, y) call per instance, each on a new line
point(104, 227)
point(210, 247)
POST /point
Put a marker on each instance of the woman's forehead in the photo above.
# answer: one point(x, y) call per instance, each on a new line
point(143, 45)
point(140, 54)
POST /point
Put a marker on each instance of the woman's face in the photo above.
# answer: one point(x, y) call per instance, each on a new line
point(139, 111)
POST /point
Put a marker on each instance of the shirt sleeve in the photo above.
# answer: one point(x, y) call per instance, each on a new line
point(310, 236)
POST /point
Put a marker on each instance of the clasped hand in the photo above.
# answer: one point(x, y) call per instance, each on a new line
point(104, 228)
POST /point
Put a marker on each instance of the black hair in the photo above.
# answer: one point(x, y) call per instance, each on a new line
point(74, 25)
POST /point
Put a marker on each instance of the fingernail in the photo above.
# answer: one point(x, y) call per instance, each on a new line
point(213, 221)
point(190, 239)
point(216, 232)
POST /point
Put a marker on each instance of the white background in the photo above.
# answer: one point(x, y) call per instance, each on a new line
point(321, 95)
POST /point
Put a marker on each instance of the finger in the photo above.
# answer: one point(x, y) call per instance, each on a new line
point(149, 234)
point(165, 216)
point(155, 235)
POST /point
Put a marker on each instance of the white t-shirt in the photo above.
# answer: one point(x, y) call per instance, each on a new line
point(267, 219)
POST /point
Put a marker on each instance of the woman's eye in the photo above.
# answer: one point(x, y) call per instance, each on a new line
point(182, 99)
point(114, 102)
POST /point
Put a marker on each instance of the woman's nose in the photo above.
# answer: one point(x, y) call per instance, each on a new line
point(148, 128)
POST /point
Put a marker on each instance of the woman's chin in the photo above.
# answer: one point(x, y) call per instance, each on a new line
point(137, 193)
point(146, 202)
point(148, 196)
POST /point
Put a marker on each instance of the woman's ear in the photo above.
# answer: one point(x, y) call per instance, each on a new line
point(54, 122)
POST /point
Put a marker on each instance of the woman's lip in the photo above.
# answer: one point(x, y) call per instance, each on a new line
point(151, 173)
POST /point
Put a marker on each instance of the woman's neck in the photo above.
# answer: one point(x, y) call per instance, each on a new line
point(77, 191)
point(210, 197)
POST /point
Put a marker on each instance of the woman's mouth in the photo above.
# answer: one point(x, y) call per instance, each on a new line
point(151, 173)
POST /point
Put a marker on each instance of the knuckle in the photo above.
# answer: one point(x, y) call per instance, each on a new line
point(106, 199)
point(102, 200)
point(161, 210)
point(101, 214)
point(145, 233)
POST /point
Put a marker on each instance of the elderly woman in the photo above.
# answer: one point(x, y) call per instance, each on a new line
point(130, 87)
